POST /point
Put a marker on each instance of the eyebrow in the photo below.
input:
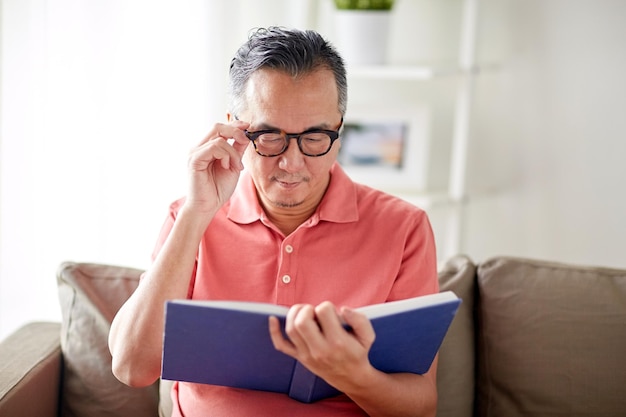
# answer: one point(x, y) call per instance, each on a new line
point(266, 126)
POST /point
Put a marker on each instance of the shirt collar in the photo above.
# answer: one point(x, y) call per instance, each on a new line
point(339, 204)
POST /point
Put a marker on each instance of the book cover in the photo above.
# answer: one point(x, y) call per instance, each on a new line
point(228, 343)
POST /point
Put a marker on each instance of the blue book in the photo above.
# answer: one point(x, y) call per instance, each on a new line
point(228, 343)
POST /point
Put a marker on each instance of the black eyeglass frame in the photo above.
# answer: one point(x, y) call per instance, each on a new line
point(332, 134)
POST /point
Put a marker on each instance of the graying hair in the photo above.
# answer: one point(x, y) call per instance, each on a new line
point(295, 52)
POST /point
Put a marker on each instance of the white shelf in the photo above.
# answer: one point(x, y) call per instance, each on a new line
point(415, 72)
point(463, 71)
point(427, 200)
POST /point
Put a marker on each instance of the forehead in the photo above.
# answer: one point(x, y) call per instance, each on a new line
point(272, 92)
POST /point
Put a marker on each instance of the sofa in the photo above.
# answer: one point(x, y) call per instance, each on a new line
point(531, 338)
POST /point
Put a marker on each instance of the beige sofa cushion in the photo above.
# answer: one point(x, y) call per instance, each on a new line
point(30, 368)
point(552, 339)
point(90, 295)
point(455, 373)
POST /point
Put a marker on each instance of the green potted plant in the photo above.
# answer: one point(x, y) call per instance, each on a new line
point(364, 4)
point(361, 30)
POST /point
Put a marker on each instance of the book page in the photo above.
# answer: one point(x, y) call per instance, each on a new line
point(392, 307)
point(247, 306)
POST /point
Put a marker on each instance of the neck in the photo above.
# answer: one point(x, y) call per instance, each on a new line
point(288, 223)
point(288, 218)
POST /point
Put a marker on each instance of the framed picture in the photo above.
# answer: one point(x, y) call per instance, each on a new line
point(387, 149)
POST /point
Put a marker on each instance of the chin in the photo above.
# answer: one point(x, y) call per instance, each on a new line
point(286, 204)
point(286, 198)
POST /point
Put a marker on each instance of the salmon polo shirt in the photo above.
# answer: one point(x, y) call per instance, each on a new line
point(360, 247)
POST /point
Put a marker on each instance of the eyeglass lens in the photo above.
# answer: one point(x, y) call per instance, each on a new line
point(275, 143)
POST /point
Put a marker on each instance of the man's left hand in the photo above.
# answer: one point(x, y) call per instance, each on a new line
point(319, 339)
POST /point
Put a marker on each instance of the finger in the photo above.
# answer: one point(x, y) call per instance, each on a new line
point(278, 340)
point(241, 141)
point(240, 124)
point(233, 130)
point(201, 157)
point(302, 328)
point(361, 326)
point(329, 320)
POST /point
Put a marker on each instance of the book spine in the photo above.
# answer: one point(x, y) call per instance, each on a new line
point(307, 387)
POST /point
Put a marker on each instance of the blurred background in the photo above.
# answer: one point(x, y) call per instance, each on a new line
point(100, 101)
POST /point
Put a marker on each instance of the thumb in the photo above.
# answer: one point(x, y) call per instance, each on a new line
point(361, 326)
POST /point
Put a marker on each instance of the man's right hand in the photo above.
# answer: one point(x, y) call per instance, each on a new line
point(214, 167)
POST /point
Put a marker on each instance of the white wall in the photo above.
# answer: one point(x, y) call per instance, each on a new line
point(102, 99)
point(555, 121)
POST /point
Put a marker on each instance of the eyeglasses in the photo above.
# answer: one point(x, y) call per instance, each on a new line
point(312, 142)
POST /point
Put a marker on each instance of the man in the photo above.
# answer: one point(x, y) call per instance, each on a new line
point(290, 229)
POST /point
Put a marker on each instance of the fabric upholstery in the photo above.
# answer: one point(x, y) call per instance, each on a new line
point(165, 398)
point(30, 371)
point(455, 372)
point(552, 340)
point(90, 295)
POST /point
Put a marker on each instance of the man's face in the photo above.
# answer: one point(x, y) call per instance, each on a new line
point(275, 100)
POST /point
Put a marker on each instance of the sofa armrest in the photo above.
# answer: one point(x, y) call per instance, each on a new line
point(30, 371)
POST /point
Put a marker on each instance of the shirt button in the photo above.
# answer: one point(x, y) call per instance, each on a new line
point(288, 248)
point(286, 279)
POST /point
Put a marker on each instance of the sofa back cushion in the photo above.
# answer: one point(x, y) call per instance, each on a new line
point(456, 370)
point(90, 296)
point(552, 339)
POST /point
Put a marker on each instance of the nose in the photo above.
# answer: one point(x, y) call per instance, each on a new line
point(292, 159)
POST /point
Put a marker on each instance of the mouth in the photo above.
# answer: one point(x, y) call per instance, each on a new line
point(289, 183)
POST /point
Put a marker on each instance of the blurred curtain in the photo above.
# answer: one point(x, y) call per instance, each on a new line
point(100, 101)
